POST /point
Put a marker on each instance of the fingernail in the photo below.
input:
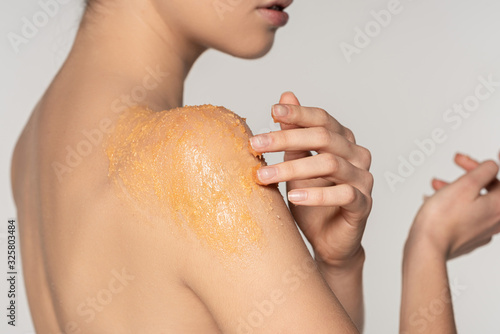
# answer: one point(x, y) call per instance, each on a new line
point(259, 141)
point(297, 195)
point(266, 173)
point(280, 110)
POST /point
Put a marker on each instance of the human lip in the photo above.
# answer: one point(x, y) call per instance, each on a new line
point(273, 11)
point(282, 4)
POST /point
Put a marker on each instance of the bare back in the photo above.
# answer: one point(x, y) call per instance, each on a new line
point(86, 253)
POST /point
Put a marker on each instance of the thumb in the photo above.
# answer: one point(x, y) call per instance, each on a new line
point(289, 98)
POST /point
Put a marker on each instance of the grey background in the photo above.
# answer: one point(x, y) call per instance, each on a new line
point(395, 91)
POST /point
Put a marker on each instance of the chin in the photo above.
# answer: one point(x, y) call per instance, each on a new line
point(252, 50)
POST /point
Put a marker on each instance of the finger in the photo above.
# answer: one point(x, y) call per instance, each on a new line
point(438, 184)
point(468, 164)
point(287, 98)
point(328, 166)
point(462, 160)
point(465, 162)
point(306, 139)
point(492, 207)
point(307, 117)
point(343, 195)
point(477, 179)
point(290, 98)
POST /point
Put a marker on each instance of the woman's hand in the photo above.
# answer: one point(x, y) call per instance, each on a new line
point(458, 219)
point(329, 193)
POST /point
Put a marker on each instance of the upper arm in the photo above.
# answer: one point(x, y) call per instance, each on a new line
point(243, 255)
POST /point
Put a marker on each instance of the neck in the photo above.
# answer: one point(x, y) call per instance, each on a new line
point(128, 43)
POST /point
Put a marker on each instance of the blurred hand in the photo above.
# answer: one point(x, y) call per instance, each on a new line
point(458, 219)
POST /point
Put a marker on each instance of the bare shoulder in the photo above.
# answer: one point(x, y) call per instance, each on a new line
point(193, 165)
point(229, 239)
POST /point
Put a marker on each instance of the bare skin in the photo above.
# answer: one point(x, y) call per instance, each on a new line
point(456, 220)
point(97, 262)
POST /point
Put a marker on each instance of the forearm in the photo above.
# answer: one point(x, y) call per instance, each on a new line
point(426, 304)
point(347, 284)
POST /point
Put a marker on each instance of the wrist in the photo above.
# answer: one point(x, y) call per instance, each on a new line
point(352, 266)
point(430, 235)
point(419, 248)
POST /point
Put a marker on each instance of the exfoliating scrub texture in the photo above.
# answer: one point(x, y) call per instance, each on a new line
point(194, 165)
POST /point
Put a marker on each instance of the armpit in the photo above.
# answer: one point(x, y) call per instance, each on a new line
point(195, 166)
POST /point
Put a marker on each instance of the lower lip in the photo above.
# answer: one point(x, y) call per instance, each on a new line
point(275, 17)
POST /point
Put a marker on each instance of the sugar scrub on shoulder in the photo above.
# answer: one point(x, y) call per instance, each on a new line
point(194, 165)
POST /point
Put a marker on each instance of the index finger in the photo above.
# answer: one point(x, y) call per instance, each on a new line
point(307, 117)
point(479, 178)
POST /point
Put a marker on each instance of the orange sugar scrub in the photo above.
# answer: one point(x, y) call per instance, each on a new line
point(194, 165)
